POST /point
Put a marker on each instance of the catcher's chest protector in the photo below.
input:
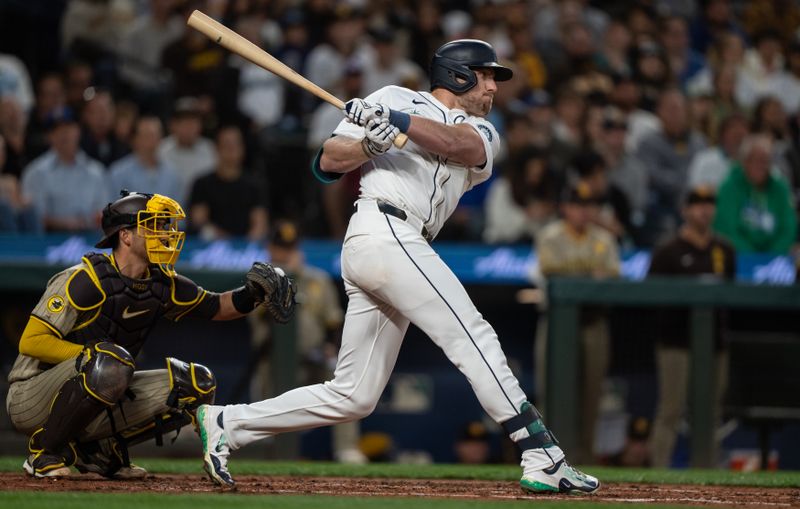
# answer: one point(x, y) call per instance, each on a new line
point(131, 308)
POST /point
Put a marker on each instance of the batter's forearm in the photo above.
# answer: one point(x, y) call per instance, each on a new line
point(459, 143)
point(342, 154)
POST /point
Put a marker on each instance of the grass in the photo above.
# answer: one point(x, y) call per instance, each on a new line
point(441, 471)
point(233, 501)
point(66, 500)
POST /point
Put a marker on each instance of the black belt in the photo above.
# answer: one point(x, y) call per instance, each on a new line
point(388, 208)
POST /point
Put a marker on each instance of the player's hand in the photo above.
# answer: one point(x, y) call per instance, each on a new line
point(360, 112)
point(380, 135)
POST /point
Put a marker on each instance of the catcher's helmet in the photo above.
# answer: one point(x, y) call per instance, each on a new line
point(457, 59)
point(156, 219)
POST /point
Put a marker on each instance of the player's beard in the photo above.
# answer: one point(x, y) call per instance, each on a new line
point(479, 105)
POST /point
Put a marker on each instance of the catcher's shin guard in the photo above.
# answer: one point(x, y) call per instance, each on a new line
point(190, 384)
point(539, 437)
point(102, 379)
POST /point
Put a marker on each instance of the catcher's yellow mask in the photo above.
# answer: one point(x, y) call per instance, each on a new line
point(158, 224)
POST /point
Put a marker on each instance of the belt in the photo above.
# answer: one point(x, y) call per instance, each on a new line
point(388, 208)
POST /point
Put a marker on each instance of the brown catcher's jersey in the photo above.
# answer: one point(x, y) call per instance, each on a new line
point(93, 301)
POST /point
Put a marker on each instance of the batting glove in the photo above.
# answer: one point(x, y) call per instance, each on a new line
point(359, 111)
point(380, 135)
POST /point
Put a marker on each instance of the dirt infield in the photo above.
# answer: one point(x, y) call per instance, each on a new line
point(717, 496)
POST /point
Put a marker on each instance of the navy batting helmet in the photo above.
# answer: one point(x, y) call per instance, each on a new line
point(457, 59)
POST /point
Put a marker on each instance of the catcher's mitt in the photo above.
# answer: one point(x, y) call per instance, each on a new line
point(273, 289)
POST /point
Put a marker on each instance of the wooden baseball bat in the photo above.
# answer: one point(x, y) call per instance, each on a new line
point(235, 43)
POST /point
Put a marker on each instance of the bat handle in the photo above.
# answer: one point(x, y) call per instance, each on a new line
point(400, 140)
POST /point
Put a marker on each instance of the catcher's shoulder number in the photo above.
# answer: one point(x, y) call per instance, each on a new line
point(55, 304)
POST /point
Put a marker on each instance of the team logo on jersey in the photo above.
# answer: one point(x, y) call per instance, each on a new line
point(486, 131)
point(55, 304)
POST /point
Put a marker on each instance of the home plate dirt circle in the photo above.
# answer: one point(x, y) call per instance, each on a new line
point(713, 496)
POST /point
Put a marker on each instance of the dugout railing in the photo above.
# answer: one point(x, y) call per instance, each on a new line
point(566, 296)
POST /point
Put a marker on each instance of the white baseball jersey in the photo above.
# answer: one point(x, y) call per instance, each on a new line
point(413, 179)
point(393, 278)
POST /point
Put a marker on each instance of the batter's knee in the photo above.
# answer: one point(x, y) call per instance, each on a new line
point(107, 372)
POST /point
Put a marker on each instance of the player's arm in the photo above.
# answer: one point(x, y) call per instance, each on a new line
point(459, 143)
point(264, 284)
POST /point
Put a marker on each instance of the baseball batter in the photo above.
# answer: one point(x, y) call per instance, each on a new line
point(393, 277)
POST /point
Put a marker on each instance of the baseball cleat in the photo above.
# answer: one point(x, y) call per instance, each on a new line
point(45, 465)
point(560, 478)
point(215, 445)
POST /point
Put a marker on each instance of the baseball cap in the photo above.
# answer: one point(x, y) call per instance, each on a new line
point(284, 234)
point(701, 194)
point(187, 106)
point(59, 116)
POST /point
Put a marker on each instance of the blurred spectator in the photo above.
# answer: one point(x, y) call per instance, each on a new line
point(626, 95)
point(16, 213)
point(144, 171)
point(98, 139)
point(96, 24)
point(327, 61)
point(611, 209)
point(666, 154)
point(635, 452)
point(15, 81)
point(764, 67)
point(227, 202)
point(769, 118)
point(125, 121)
point(472, 445)
point(551, 18)
point(754, 206)
point(337, 197)
point(626, 172)
point(574, 246)
point(50, 96)
point(783, 16)
point(13, 129)
point(526, 57)
point(67, 188)
point(575, 58)
point(185, 149)
point(522, 201)
point(389, 67)
point(726, 53)
point(426, 32)
point(78, 76)
point(319, 323)
point(293, 52)
point(694, 251)
point(684, 62)
point(710, 166)
point(651, 72)
point(142, 45)
point(199, 69)
point(613, 57)
point(261, 93)
point(791, 85)
point(713, 21)
point(569, 110)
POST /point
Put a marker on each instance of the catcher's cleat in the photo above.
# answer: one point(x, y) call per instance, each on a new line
point(561, 478)
point(45, 465)
point(215, 445)
point(123, 473)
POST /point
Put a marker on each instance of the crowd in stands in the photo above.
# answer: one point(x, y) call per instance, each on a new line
point(640, 101)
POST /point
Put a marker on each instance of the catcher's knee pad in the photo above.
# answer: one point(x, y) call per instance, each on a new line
point(190, 384)
point(107, 372)
point(531, 420)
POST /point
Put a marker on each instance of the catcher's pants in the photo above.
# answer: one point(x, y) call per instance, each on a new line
point(29, 401)
point(393, 277)
point(673, 365)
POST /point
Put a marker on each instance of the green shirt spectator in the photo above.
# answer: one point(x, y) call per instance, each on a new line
point(754, 207)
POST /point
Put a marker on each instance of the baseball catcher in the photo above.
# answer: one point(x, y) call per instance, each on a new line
point(75, 390)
